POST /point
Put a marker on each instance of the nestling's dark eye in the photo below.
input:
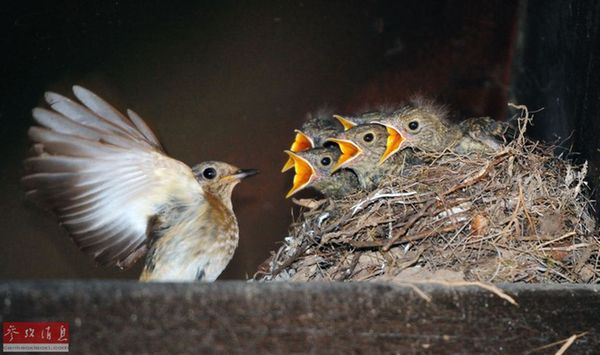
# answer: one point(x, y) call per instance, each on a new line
point(209, 173)
point(368, 137)
point(413, 125)
point(329, 144)
point(326, 161)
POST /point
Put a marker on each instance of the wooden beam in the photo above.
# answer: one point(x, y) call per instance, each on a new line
point(118, 317)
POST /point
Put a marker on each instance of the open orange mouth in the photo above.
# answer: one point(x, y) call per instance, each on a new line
point(304, 173)
point(393, 144)
point(345, 122)
point(301, 143)
point(349, 151)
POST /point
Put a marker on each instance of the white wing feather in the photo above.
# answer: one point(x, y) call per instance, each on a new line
point(103, 174)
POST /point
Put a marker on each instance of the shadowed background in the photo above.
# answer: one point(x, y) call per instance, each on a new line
point(230, 81)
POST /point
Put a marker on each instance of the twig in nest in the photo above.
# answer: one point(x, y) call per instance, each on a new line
point(369, 276)
point(289, 261)
point(480, 175)
point(409, 224)
point(569, 248)
point(566, 344)
point(335, 225)
point(493, 289)
point(377, 196)
point(570, 234)
point(350, 270)
point(522, 122)
point(417, 290)
point(360, 244)
point(423, 213)
point(309, 203)
point(524, 205)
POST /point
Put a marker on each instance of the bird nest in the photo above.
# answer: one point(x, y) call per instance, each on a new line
point(521, 214)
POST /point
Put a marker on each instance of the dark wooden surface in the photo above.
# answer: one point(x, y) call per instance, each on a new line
point(557, 71)
point(239, 317)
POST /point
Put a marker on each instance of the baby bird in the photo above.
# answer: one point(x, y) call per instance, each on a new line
point(113, 188)
point(425, 127)
point(487, 131)
point(314, 167)
point(362, 148)
point(314, 131)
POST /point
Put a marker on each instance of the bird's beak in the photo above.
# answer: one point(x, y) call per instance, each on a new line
point(304, 173)
point(349, 151)
point(242, 174)
point(301, 143)
point(393, 144)
point(345, 122)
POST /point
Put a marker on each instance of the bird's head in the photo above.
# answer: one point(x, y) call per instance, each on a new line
point(361, 145)
point(416, 128)
point(301, 143)
point(311, 166)
point(220, 178)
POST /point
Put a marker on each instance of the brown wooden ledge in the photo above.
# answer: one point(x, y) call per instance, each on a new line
point(120, 317)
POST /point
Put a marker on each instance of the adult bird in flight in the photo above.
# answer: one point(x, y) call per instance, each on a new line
point(108, 180)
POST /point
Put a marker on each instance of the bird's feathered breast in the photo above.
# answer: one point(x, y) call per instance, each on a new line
point(191, 240)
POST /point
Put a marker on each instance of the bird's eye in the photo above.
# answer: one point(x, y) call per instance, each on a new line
point(413, 125)
point(368, 137)
point(329, 144)
point(209, 173)
point(326, 161)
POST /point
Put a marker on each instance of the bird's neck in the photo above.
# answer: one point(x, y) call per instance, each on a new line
point(368, 179)
point(338, 185)
point(367, 169)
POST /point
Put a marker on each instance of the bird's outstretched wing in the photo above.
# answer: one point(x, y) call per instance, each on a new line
point(103, 174)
